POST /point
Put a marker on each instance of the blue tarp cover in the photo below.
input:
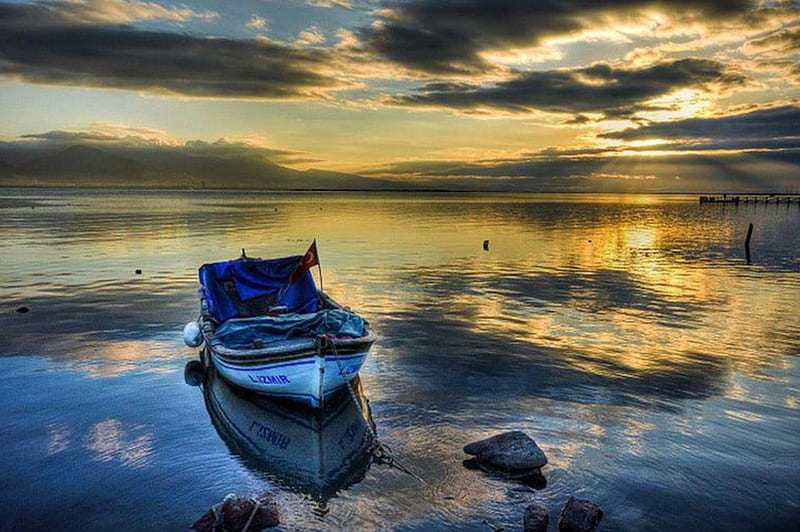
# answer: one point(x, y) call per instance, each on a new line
point(248, 333)
point(243, 288)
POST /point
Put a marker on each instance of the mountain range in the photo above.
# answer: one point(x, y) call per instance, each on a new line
point(81, 165)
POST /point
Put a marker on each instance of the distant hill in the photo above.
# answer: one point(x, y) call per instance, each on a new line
point(83, 162)
point(89, 166)
point(6, 169)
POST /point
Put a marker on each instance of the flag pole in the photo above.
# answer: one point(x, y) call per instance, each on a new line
point(319, 265)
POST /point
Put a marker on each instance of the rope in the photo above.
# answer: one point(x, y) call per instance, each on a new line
point(381, 453)
point(253, 513)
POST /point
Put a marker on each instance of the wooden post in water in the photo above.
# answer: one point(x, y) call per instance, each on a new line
point(747, 242)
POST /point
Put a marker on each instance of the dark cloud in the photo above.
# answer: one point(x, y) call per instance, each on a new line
point(43, 45)
point(448, 36)
point(127, 141)
point(775, 127)
point(614, 91)
point(745, 171)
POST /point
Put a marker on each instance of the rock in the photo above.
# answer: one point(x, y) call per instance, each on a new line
point(579, 515)
point(23, 310)
point(536, 518)
point(233, 514)
point(512, 451)
point(532, 478)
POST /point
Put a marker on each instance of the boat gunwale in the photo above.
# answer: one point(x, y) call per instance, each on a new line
point(290, 349)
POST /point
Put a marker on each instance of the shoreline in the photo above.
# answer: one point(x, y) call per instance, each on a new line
point(388, 190)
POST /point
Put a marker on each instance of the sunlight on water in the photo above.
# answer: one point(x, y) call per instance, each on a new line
point(627, 334)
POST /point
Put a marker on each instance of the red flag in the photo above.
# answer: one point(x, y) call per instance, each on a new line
point(309, 259)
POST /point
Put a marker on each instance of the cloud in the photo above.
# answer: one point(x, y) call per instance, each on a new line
point(256, 23)
point(102, 133)
point(600, 88)
point(775, 128)
point(311, 36)
point(782, 43)
point(606, 172)
point(55, 50)
point(778, 52)
point(345, 4)
point(121, 138)
point(449, 37)
point(754, 149)
point(49, 12)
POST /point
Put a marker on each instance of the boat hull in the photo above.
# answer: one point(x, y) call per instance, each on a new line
point(306, 378)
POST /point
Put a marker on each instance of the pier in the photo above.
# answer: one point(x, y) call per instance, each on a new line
point(776, 199)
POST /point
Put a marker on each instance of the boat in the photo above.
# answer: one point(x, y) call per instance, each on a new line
point(314, 452)
point(267, 328)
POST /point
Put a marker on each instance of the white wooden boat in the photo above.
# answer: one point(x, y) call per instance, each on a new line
point(267, 328)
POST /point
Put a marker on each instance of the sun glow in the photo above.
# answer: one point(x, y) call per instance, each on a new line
point(685, 103)
point(646, 142)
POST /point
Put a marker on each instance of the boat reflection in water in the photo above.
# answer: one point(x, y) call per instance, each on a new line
point(314, 452)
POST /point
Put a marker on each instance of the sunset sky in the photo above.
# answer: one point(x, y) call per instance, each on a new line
point(522, 95)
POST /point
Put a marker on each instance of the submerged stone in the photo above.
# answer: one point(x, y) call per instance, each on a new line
point(240, 514)
point(512, 451)
point(536, 518)
point(579, 515)
point(23, 310)
point(532, 479)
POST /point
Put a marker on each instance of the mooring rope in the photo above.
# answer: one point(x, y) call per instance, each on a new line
point(257, 504)
point(381, 453)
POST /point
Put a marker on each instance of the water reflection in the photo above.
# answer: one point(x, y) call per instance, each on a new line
point(315, 453)
point(626, 333)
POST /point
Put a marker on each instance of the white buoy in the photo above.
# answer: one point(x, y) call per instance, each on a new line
point(192, 335)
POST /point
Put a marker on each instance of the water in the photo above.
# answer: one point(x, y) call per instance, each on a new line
point(625, 333)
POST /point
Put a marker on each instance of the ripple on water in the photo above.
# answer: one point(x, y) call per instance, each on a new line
point(628, 337)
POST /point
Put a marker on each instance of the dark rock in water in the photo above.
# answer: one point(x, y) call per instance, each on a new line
point(240, 514)
point(138, 271)
point(23, 310)
point(536, 518)
point(579, 515)
point(512, 451)
point(531, 478)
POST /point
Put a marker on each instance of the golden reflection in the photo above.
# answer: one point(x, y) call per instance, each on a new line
point(612, 283)
point(673, 314)
point(111, 441)
point(640, 238)
point(117, 357)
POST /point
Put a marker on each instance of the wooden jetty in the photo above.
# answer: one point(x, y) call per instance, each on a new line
point(776, 199)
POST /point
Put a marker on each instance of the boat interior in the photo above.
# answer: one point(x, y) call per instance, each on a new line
point(252, 304)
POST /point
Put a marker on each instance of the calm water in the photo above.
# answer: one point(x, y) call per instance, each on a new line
point(625, 333)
